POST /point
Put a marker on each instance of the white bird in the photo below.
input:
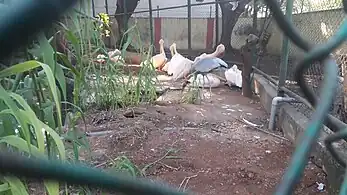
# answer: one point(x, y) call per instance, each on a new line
point(205, 81)
point(179, 66)
point(114, 56)
point(166, 66)
point(160, 59)
point(234, 76)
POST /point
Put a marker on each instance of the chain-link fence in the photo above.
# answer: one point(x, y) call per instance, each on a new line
point(194, 25)
point(317, 20)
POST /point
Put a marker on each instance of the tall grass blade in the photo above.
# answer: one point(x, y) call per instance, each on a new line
point(17, 187)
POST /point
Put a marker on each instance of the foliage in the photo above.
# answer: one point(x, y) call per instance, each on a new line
point(104, 27)
point(107, 85)
point(31, 115)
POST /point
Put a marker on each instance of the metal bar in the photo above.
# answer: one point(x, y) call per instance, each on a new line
point(189, 24)
point(268, 77)
point(285, 51)
point(254, 46)
point(79, 174)
point(210, 11)
point(178, 6)
point(83, 15)
point(255, 11)
point(157, 11)
point(106, 7)
point(217, 22)
point(332, 123)
point(125, 20)
point(93, 8)
point(151, 21)
point(109, 42)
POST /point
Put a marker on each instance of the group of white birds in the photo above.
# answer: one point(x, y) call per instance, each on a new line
point(180, 67)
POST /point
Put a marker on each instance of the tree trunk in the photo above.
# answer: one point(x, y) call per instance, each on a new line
point(122, 18)
point(247, 70)
point(230, 16)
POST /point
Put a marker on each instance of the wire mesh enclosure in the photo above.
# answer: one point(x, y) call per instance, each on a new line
point(317, 21)
point(196, 26)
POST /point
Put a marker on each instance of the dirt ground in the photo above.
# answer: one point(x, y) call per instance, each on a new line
point(206, 149)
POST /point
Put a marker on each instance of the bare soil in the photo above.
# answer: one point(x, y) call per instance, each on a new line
point(217, 152)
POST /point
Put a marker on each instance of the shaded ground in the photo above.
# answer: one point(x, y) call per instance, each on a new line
point(215, 151)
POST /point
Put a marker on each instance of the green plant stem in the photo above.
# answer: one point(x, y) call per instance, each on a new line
point(40, 97)
point(19, 77)
point(43, 99)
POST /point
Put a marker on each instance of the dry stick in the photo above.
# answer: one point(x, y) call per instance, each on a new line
point(143, 170)
point(101, 164)
point(168, 166)
point(185, 181)
point(261, 130)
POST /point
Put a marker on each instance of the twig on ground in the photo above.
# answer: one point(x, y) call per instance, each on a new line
point(185, 182)
point(261, 130)
point(216, 130)
point(100, 165)
point(143, 170)
point(168, 166)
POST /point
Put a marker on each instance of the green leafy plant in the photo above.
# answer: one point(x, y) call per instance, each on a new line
point(104, 27)
point(21, 128)
point(106, 85)
point(37, 118)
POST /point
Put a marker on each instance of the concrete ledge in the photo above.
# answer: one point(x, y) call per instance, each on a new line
point(293, 124)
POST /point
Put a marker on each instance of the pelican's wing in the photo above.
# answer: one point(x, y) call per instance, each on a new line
point(221, 62)
point(205, 65)
point(183, 70)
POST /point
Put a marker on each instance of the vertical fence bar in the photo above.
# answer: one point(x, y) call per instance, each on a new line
point(210, 11)
point(189, 24)
point(107, 38)
point(93, 8)
point(285, 52)
point(151, 21)
point(106, 7)
point(254, 46)
point(255, 18)
point(125, 16)
point(157, 29)
point(217, 23)
point(157, 11)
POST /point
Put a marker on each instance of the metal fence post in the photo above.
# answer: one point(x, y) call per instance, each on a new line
point(106, 6)
point(125, 16)
point(93, 8)
point(285, 52)
point(254, 46)
point(217, 23)
point(255, 18)
point(151, 21)
point(189, 24)
point(210, 11)
point(157, 11)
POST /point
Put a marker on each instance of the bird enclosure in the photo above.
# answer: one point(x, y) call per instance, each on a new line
point(97, 88)
point(197, 27)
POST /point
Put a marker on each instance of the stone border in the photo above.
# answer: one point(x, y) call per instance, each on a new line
point(293, 124)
